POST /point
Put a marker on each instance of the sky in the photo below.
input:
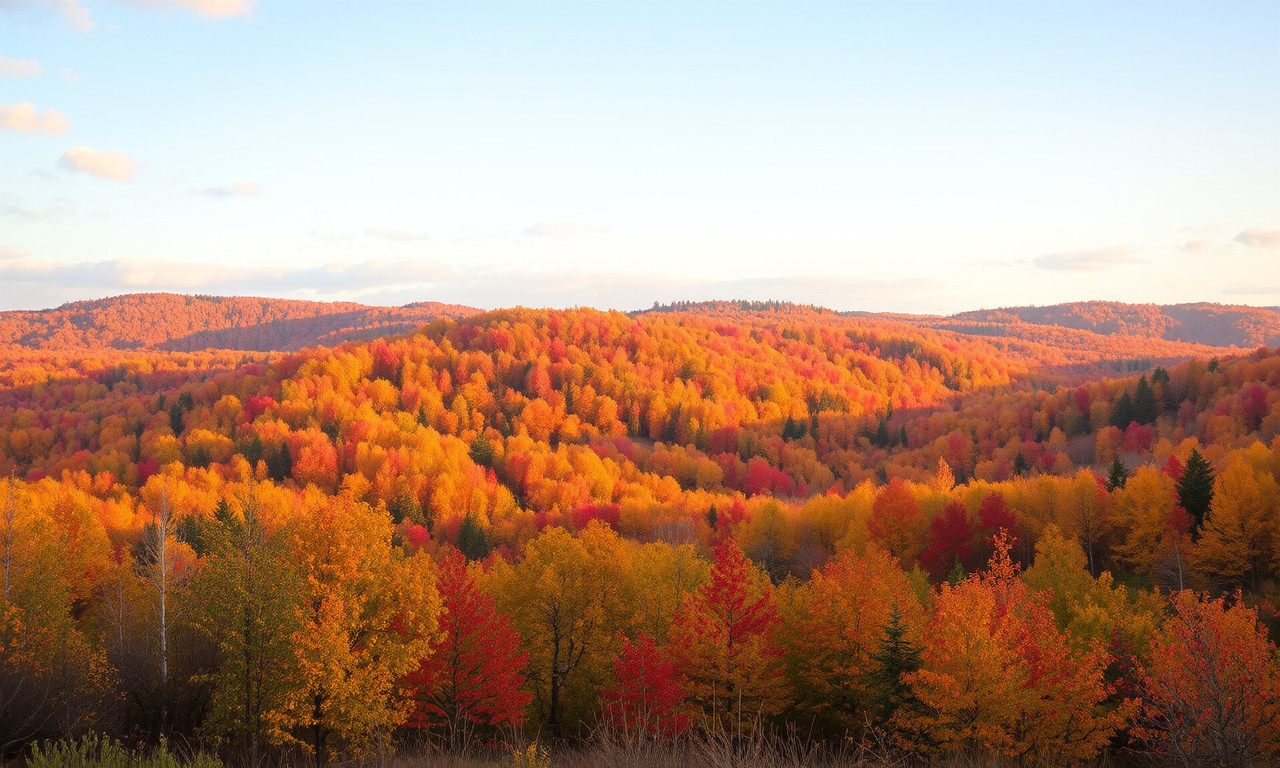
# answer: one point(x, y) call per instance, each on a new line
point(928, 157)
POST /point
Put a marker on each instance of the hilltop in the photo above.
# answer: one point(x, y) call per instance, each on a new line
point(178, 323)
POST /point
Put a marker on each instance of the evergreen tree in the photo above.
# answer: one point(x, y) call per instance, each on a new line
point(1020, 465)
point(1195, 489)
point(1122, 413)
point(881, 439)
point(482, 451)
point(1145, 410)
point(1119, 475)
point(896, 657)
point(957, 573)
point(176, 419)
point(280, 465)
point(472, 541)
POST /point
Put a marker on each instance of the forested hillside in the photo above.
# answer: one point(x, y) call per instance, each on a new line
point(662, 526)
point(191, 323)
point(1200, 323)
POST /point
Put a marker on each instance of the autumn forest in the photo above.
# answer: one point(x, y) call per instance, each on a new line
point(260, 532)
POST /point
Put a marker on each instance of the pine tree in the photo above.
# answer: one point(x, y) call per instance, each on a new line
point(896, 658)
point(1119, 475)
point(1020, 465)
point(176, 419)
point(471, 539)
point(1195, 489)
point(1145, 410)
point(1122, 413)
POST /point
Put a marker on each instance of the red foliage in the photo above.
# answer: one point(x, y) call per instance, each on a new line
point(645, 697)
point(950, 540)
point(475, 670)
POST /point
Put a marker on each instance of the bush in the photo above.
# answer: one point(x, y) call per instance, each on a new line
point(95, 751)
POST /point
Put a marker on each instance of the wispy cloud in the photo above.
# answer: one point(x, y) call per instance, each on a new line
point(212, 9)
point(110, 164)
point(1252, 290)
point(1260, 238)
point(395, 235)
point(1197, 246)
point(11, 207)
point(239, 189)
point(73, 12)
point(24, 118)
point(19, 67)
point(1096, 260)
point(399, 281)
point(564, 229)
point(12, 252)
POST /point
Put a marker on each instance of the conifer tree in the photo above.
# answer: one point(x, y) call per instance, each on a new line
point(1195, 489)
point(1145, 410)
point(896, 658)
point(472, 541)
point(1119, 475)
point(1123, 413)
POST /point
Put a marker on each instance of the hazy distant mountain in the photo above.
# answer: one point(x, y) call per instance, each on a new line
point(166, 321)
point(185, 323)
point(1219, 325)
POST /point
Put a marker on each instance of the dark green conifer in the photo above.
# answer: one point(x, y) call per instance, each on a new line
point(1195, 489)
point(471, 539)
point(1145, 410)
point(895, 657)
point(1119, 475)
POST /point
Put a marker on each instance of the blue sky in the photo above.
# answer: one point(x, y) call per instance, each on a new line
point(919, 157)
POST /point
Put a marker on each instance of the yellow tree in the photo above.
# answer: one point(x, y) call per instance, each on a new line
point(1237, 542)
point(1000, 678)
point(833, 626)
point(244, 600)
point(1142, 511)
point(366, 618)
point(568, 598)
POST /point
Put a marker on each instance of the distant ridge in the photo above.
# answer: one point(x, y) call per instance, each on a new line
point(175, 322)
point(1219, 325)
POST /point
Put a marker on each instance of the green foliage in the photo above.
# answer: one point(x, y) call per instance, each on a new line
point(1145, 410)
point(1195, 488)
point(95, 751)
point(896, 658)
point(176, 418)
point(472, 540)
point(1119, 475)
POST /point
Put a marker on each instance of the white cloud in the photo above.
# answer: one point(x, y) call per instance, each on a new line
point(109, 164)
point(212, 9)
point(239, 189)
point(1096, 260)
point(73, 12)
point(13, 252)
point(1260, 238)
point(23, 118)
point(19, 67)
point(564, 229)
point(396, 235)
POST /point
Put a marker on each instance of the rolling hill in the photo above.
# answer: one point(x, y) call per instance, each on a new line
point(173, 322)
